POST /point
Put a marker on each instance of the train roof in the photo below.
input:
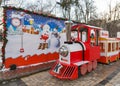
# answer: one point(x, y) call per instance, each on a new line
point(86, 26)
point(108, 39)
point(94, 27)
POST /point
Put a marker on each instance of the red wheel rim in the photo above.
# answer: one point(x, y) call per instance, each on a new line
point(83, 69)
point(94, 64)
point(89, 66)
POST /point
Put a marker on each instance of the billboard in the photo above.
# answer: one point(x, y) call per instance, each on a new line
point(32, 38)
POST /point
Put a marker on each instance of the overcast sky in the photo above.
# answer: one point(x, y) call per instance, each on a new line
point(102, 5)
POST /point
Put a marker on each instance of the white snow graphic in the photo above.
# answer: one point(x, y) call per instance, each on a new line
point(30, 45)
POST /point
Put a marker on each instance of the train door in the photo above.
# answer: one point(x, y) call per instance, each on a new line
point(94, 48)
point(1, 60)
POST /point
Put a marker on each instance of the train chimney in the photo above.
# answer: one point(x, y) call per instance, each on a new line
point(68, 25)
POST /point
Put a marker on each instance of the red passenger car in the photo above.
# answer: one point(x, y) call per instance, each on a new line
point(118, 38)
point(109, 50)
point(79, 53)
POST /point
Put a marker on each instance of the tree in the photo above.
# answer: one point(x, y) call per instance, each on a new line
point(0, 2)
point(85, 10)
point(114, 12)
point(66, 7)
point(113, 19)
point(39, 6)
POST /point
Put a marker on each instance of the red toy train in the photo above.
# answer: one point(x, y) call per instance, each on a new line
point(82, 50)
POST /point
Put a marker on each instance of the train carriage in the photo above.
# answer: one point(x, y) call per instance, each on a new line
point(109, 50)
point(118, 38)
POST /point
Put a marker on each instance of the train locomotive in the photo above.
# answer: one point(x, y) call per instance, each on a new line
point(79, 54)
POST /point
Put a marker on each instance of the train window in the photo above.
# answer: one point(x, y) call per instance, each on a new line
point(92, 34)
point(97, 36)
point(83, 33)
point(102, 47)
point(113, 46)
point(109, 47)
point(117, 47)
point(74, 35)
point(84, 36)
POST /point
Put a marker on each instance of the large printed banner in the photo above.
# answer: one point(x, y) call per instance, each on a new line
point(32, 34)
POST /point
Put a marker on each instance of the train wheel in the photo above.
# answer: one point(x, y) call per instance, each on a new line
point(89, 66)
point(117, 58)
point(94, 64)
point(83, 69)
point(108, 62)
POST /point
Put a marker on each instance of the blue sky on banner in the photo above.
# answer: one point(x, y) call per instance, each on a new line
point(38, 20)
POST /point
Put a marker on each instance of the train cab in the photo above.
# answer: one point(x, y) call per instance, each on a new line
point(89, 36)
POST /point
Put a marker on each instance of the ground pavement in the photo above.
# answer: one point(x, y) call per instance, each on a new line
point(104, 75)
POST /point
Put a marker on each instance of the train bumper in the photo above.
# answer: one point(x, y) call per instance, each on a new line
point(64, 71)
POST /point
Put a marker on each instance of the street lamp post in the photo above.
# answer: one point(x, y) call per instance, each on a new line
point(22, 49)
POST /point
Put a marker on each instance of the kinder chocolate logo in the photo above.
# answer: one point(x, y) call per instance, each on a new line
point(104, 34)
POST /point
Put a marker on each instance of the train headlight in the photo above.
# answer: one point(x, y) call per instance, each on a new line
point(63, 51)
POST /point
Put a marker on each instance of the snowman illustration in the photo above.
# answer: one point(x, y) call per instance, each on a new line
point(55, 39)
point(44, 37)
